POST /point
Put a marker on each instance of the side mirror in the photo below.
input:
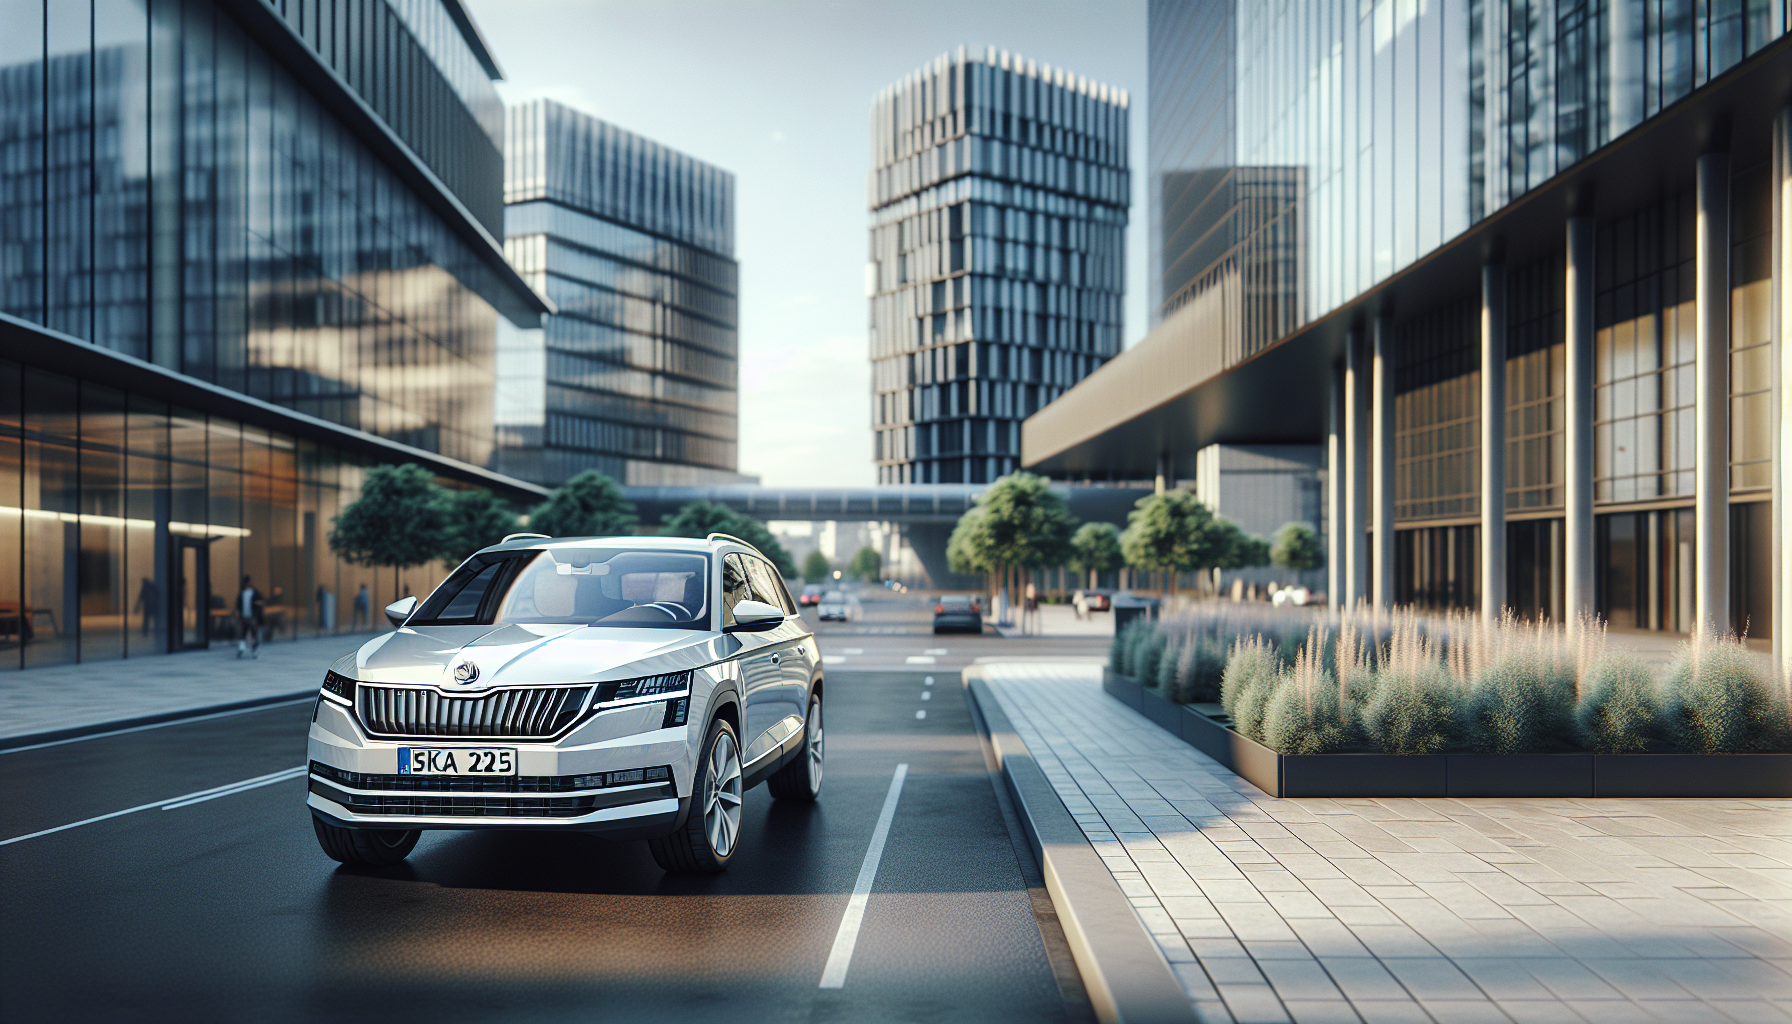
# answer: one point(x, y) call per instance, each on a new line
point(398, 611)
point(755, 617)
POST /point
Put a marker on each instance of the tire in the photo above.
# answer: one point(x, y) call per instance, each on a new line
point(375, 848)
point(801, 779)
point(711, 831)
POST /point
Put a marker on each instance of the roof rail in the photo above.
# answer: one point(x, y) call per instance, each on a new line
point(732, 537)
point(520, 536)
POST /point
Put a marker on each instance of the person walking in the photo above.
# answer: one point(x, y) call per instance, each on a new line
point(362, 603)
point(149, 604)
point(250, 611)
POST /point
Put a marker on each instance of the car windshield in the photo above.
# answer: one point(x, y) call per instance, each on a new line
point(610, 587)
point(833, 595)
point(956, 599)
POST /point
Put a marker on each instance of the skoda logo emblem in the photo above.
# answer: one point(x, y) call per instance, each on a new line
point(466, 672)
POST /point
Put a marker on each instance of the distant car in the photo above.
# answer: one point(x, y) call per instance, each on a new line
point(1087, 601)
point(811, 595)
point(833, 607)
point(957, 613)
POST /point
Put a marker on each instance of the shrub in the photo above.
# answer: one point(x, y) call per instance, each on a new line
point(1718, 702)
point(1302, 714)
point(1120, 654)
point(1147, 654)
point(1200, 665)
point(1413, 712)
point(1164, 680)
point(1621, 712)
point(1251, 675)
point(1521, 703)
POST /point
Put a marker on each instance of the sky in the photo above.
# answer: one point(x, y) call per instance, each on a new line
point(780, 94)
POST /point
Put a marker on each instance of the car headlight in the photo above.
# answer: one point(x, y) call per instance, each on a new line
point(339, 688)
point(645, 686)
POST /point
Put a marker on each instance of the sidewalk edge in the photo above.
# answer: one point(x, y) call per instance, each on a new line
point(1124, 972)
point(77, 731)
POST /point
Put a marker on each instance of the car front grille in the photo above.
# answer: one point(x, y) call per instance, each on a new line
point(493, 784)
point(466, 806)
point(511, 714)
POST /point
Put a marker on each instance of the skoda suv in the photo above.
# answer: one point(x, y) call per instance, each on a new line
point(631, 687)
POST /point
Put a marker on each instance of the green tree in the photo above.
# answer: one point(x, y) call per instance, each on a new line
point(475, 519)
point(400, 520)
point(866, 565)
point(1296, 546)
point(588, 505)
point(816, 567)
point(1094, 549)
point(1017, 524)
point(1172, 533)
point(1235, 549)
point(702, 518)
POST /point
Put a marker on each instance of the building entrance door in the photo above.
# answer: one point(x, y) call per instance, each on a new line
point(191, 594)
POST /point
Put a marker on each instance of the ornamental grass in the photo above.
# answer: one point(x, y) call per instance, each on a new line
point(1311, 682)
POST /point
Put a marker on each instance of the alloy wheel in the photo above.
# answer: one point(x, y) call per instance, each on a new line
point(816, 746)
point(722, 796)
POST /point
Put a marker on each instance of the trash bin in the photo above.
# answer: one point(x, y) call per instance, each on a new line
point(1128, 608)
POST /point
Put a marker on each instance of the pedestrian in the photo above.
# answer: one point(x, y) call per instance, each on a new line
point(1029, 616)
point(362, 603)
point(250, 611)
point(149, 604)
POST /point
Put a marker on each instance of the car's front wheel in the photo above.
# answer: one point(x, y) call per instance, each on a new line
point(372, 847)
point(801, 778)
point(711, 831)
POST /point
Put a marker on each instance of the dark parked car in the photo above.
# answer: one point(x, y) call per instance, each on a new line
point(811, 595)
point(1087, 601)
point(957, 613)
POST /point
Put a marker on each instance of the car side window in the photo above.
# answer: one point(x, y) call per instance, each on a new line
point(736, 587)
point(767, 586)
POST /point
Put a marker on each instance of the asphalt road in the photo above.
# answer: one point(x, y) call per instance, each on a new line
point(226, 909)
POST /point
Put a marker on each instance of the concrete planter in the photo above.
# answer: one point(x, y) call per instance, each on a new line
point(1460, 775)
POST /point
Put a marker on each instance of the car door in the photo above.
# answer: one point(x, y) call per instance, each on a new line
point(772, 703)
point(761, 674)
point(796, 660)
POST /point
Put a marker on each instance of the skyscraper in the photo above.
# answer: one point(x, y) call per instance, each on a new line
point(999, 191)
point(636, 374)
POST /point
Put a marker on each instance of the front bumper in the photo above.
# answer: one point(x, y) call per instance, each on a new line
point(590, 780)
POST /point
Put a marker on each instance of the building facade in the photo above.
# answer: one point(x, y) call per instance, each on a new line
point(247, 250)
point(1571, 215)
point(999, 192)
point(637, 374)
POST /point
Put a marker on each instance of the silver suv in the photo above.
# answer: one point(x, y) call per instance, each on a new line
point(633, 687)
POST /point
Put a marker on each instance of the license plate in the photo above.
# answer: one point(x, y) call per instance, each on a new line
point(456, 761)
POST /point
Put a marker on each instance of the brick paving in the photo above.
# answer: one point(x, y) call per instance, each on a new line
point(1418, 910)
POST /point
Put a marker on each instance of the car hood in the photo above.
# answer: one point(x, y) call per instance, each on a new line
point(522, 654)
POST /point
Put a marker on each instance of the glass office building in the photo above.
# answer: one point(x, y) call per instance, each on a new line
point(637, 374)
point(999, 189)
point(1566, 213)
point(246, 252)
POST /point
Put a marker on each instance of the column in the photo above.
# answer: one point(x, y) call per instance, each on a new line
point(1782, 439)
point(1166, 473)
point(1383, 498)
point(1493, 440)
point(1577, 416)
point(1356, 469)
point(1334, 490)
point(1711, 414)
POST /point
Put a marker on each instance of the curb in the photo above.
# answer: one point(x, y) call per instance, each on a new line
point(75, 732)
point(1124, 972)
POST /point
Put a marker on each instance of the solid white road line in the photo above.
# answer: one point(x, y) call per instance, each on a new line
point(170, 804)
point(308, 698)
point(834, 974)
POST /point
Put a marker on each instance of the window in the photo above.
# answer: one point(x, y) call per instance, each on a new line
point(610, 587)
point(736, 587)
point(768, 586)
point(462, 597)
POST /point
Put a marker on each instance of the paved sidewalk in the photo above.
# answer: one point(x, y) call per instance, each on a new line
point(1415, 910)
point(58, 697)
